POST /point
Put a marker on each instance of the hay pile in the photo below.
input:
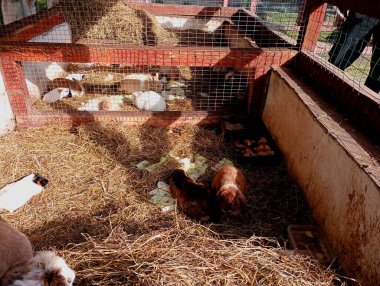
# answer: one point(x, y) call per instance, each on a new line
point(96, 213)
point(113, 20)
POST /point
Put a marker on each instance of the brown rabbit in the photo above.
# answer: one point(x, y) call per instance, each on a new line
point(76, 88)
point(140, 82)
point(15, 247)
point(193, 198)
point(230, 188)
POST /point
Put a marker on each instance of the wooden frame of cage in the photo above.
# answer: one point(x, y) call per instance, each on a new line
point(14, 49)
point(257, 61)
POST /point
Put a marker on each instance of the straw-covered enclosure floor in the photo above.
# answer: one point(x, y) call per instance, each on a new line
point(103, 81)
point(97, 214)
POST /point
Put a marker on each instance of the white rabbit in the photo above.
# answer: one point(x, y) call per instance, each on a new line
point(149, 101)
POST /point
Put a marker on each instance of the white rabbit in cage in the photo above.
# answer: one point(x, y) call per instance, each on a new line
point(148, 101)
point(14, 10)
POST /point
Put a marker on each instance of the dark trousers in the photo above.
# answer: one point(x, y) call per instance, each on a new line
point(354, 35)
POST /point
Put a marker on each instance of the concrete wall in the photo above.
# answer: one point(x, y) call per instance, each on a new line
point(333, 164)
point(7, 122)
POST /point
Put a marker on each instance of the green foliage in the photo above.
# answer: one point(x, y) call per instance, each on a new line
point(41, 5)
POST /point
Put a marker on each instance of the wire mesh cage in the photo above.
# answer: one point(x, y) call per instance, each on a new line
point(347, 42)
point(118, 55)
point(196, 55)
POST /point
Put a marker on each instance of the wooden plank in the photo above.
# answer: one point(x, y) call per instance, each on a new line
point(359, 103)
point(31, 27)
point(186, 10)
point(314, 17)
point(238, 58)
point(132, 118)
point(15, 85)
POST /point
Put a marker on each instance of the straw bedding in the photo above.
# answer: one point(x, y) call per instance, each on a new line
point(96, 213)
point(103, 81)
point(113, 20)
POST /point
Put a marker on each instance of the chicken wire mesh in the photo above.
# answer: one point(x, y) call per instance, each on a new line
point(117, 87)
point(348, 42)
point(158, 23)
point(204, 25)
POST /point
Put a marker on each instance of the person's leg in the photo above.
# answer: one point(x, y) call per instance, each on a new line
point(373, 79)
point(353, 37)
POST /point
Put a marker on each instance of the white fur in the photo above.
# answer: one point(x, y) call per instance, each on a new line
point(42, 263)
point(229, 185)
point(148, 101)
point(112, 103)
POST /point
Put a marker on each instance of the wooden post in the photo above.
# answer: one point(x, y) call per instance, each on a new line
point(314, 16)
point(225, 3)
point(15, 86)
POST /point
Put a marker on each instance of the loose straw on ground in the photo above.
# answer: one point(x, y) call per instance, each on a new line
point(97, 214)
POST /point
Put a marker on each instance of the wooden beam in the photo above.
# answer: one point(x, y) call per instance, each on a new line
point(114, 54)
point(15, 85)
point(131, 118)
point(314, 17)
point(25, 30)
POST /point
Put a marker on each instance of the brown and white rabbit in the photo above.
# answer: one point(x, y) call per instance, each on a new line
point(230, 188)
point(45, 268)
point(140, 82)
point(76, 88)
point(15, 247)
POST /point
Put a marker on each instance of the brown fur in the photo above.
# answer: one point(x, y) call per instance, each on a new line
point(140, 82)
point(230, 199)
point(193, 198)
point(45, 268)
point(15, 247)
point(74, 85)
